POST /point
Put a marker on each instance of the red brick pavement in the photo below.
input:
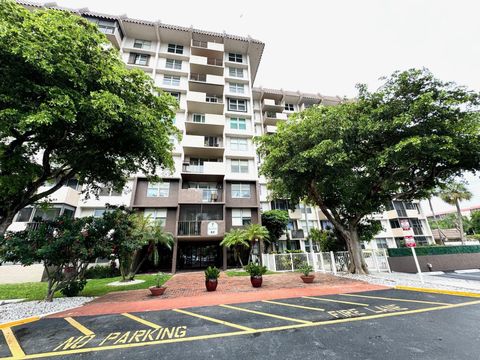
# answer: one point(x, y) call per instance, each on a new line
point(188, 290)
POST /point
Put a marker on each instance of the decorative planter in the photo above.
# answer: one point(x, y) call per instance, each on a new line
point(211, 284)
point(157, 291)
point(256, 281)
point(307, 279)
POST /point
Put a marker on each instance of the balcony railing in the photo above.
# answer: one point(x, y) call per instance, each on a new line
point(189, 228)
point(216, 62)
point(198, 43)
point(213, 99)
point(188, 168)
point(198, 77)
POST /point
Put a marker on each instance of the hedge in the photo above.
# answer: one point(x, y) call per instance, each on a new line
point(435, 250)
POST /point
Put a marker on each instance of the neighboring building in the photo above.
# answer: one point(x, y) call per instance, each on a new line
point(215, 185)
point(465, 212)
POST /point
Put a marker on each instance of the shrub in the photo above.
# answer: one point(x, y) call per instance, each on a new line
point(74, 288)
point(102, 272)
point(212, 273)
point(255, 269)
point(305, 269)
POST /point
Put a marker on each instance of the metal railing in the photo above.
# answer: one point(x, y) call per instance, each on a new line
point(189, 228)
point(214, 61)
point(192, 168)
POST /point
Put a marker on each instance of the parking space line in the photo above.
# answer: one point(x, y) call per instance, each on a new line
point(337, 301)
point(142, 321)
point(78, 326)
point(396, 299)
point(218, 321)
point(266, 314)
point(293, 305)
point(12, 343)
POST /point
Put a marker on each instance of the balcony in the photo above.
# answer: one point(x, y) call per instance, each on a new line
point(208, 65)
point(207, 48)
point(296, 214)
point(203, 103)
point(197, 196)
point(203, 146)
point(64, 195)
point(203, 228)
point(205, 124)
point(208, 83)
point(270, 129)
point(272, 105)
point(209, 171)
point(271, 118)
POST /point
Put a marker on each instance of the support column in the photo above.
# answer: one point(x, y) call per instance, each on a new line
point(224, 251)
point(174, 257)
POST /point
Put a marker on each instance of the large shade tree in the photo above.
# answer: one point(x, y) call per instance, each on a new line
point(69, 108)
point(399, 142)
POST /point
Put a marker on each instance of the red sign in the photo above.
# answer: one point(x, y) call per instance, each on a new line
point(405, 224)
point(410, 241)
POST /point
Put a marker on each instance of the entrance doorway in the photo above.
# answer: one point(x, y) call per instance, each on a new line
point(198, 255)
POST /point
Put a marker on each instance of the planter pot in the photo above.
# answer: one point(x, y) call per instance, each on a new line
point(157, 291)
point(211, 284)
point(307, 279)
point(256, 281)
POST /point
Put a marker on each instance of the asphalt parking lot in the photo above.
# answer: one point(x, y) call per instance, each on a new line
point(470, 276)
point(393, 324)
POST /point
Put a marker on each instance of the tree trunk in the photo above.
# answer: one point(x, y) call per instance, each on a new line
point(440, 232)
point(260, 250)
point(50, 292)
point(5, 222)
point(460, 221)
point(357, 263)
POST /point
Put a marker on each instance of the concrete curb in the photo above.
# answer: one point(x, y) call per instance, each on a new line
point(466, 271)
point(439, 291)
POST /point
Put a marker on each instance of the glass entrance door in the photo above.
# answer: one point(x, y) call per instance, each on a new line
point(195, 255)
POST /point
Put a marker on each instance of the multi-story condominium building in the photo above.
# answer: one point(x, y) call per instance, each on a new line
point(215, 185)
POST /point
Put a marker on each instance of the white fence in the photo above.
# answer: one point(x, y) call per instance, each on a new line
point(377, 260)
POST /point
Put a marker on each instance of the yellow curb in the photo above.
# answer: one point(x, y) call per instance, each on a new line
point(439, 291)
point(19, 322)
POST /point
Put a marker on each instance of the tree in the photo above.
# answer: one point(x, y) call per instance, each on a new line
point(276, 222)
point(452, 193)
point(65, 246)
point(327, 240)
point(256, 232)
point(403, 140)
point(236, 240)
point(150, 235)
point(70, 108)
point(475, 222)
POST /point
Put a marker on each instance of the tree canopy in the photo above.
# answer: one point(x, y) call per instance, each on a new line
point(70, 108)
point(276, 222)
point(399, 142)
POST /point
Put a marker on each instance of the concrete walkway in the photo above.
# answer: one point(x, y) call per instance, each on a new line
point(186, 290)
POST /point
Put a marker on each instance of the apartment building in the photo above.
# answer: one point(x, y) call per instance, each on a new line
point(215, 185)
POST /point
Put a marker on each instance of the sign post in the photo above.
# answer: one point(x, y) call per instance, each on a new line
point(419, 272)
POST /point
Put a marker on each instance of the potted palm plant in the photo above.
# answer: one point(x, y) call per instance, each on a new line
point(158, 289)
point(256, 271)
point(211, 278)
point(306, 269)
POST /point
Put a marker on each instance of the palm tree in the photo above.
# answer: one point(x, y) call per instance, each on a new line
point(452, 194)
point(254, 232)
point(150, 234)
point(435, 220)
point(235, 239)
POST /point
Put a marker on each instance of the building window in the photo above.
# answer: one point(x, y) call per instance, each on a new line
point(241, 191)
point(175, 49)
point(239, 144)
point(108, 191)
point(394, 224)
point(238, 124)
point(417, 226)
point(239, 166)
point(279, 205)
point(241, 217)
point(160, 189)
point(235, 57)
point(312, 224)
point(171, 80)
point(142, 44)
point(237, 105)
point(198, 118)
point(400, 242)
point(47, 214)
point(237, 88)
point(139, 59)
point(173, 64)
point(156, 216)
point(421, 240)
point(176, 95)
point(24, 215)
point(235, 72)
point(381, 243)
point(106, 27)
point(302, 207)
point(289, 107)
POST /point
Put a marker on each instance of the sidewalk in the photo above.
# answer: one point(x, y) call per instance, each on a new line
point(186, 290)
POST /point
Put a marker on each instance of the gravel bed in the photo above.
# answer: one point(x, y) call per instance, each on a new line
point(16, 311)
point(412, 280)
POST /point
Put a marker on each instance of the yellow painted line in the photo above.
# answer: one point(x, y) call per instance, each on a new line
point(293, 305)
point(142, 321)
point(218, 321)
point(266, 314)
point(238, 333)
point(396, 299)
point(19, 322)
point(12, 343)
point(438, 291)
point(337, 301)
point(78, 326)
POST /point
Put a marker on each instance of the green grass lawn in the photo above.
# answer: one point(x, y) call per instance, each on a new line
point(244, 273)
point(94, 287)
